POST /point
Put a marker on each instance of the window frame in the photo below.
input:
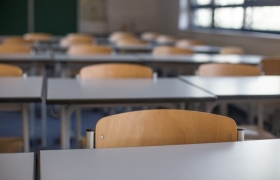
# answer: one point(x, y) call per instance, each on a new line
point(247, 3)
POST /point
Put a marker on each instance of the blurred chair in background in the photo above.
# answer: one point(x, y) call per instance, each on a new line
point(271, 66)
point(14, 49)
point(231, 50)
point(37, 37)
point(89, 50)
point(168, 50)
point(76, 39)
point(17, 40)
point(114, 37)
point(186, 43)
point(149, 36)
point(166, 39)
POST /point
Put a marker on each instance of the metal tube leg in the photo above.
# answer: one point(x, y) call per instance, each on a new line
point(64, 128)
point(182, 106)
point(224, 109)
point(31, 119)
point(44, 124)
point(78, 125)
point(260, 115)
point(251, 113)
point(25, 127)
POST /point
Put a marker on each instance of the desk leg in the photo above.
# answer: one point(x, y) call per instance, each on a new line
point(260, 115)
point(224, 109)
point(25, 127)
point(78, 125)
point(182, 106)
point(64, 128)
point(44, 124)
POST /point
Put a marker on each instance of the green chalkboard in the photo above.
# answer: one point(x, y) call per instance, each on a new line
point(57, 17)
point(13, 17)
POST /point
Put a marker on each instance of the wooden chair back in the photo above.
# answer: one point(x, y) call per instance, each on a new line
point(37, 37)
point(115, 70)
point(10, 71)
point(168, 50)
point(149, 36)
point(76, 40)
point(231, 50)
point(165, 39)
point(89, 49)
point(130, 42)
point(114, 37)
point(271, 66)
point(14, 49)
point(163, 127)
point(185, 43)
point(16, 40)
point(216, 69)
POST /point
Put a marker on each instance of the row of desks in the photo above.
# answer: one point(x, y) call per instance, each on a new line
point(132, 58)
point(73, 94)
point(244, 160)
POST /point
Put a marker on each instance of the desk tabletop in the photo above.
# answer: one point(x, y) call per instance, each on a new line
point(17, 166)
point(206, 49)
point(20, 89)
point(96, 58)
point(25, 57)
point(245, 160)
point(61, 91)
point(266, 87)
point(202, 58)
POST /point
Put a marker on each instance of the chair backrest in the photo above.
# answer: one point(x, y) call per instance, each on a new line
point(168, 50)
point(14, 49)
point(149, 36)
point(37, 36)
point(9, 70)
point(115, 70)
point(185, 43)
point(231, 50)
point(130, 42)
point(76, 39)
point(165, 39)
point(216, 69)
point(163, 127)
point(89, 49)
point(16, 40)
point(114, 37)
point(271, 66)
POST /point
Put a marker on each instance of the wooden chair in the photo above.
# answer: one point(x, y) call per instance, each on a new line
point(131, 42)
point(168, 50)
point(165, 39)
point(14, 49)
point(118, 70)
point(16, 40)
point(10, 145)
point(149, 36)
point(223, 69)
point(114, 37)
point(186, 43)
point(163, 127)
point(71, 40)
point(89, 49)
point(231, 50)
point(37, 37)
point(270, 66)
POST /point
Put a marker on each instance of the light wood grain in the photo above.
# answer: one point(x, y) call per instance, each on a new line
point(231, 50)
point(185, 43)
point(76, 39)
point(37, 36)
point(14, 49)
point(163, 127)
point(115, 70)
point(114, 37)
point(167, 50)
point(10, 145)
point(228, 70)
point(88, 50)
point(9, 70)
point(162, 39)
point(130, 42)
point(271, 66)
point(149, 36)
point(16, 40)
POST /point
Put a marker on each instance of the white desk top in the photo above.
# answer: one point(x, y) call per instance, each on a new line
point(63, 91)
point(17, 166)
point(97, 58)
point(258, 160)
point(202, 58)
point(266, 87)
point(19, 89)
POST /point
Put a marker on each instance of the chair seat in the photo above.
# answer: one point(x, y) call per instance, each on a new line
point(10, 145)
point(255, 133)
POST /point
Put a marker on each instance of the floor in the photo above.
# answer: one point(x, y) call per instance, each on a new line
point(11, 125)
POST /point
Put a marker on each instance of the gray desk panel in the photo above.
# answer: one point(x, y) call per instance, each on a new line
point(266, 87)
point(237, 59)
point(206, 49)
point(122, 90)
point(96, 58)
point(245, 160)
point(25, 58)
point(19, 89)
point(17, 166)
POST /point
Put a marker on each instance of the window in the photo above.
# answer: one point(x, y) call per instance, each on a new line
point(246, 15)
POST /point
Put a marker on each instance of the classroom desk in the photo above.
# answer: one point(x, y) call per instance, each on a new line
point(17, 166)
point(22, 90)
point(257, 89)
point(244, 160)
point(206, 49)
point(79, 93)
